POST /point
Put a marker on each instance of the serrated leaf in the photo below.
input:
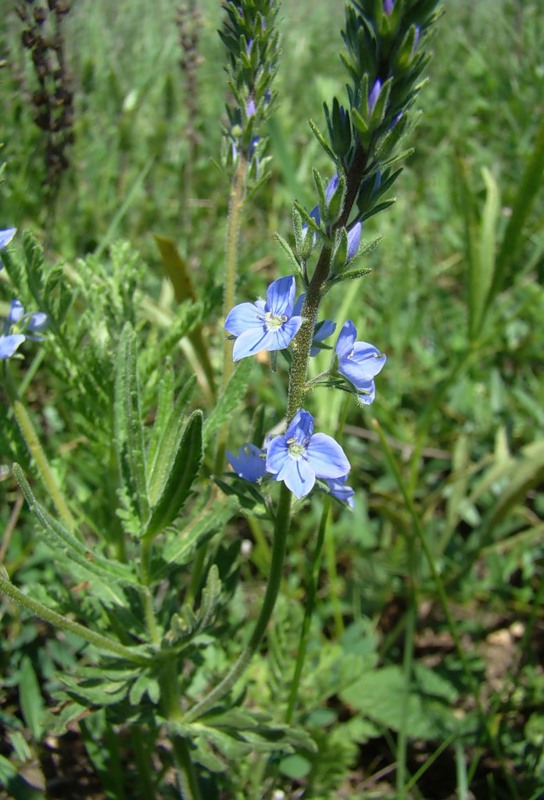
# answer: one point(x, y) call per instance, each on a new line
point(92, 564)
point(171, 425)
point(382, 695)
point(179, 463)
point(180, 549)
point(229, 400)
point(129, 438)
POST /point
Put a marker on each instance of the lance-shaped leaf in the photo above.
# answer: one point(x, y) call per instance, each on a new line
point(166, 435)
point(129, 438)
point(229, 400)
point(177, 465)
point(90, 563)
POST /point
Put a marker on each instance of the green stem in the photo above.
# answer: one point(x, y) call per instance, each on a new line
point(171, 708)
point(190, 789)
point(36, 451)
point(308, 611)
point(330, 554)
point(147, 597)
point(281, 529)
point(97, 639)
point(407, 666)
point(236, 202)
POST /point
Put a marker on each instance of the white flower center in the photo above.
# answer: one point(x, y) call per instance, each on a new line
point(273, 321)
point(296, 449)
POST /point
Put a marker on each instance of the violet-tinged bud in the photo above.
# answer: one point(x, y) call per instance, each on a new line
point(388, 6)
point(16, 311)
point(38, 322)
point(332, 186)
point(374, 94)
point(354, 240)
point(250, 107)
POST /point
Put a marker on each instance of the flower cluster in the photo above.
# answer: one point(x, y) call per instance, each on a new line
point(19, 326)
point(297, 457)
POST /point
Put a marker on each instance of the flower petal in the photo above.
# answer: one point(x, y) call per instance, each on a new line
point(280, 297)
point(252, 341)
point(282, 337)
point(346, 339)
point(9, 344)
point(276, 454)
point(298, 476)
point(338, 489)
point(367, 398)
point(301, 427)
point(249, 464)
point(326, 457)
point(6, 236)
point(242, 317)
point(360, 373)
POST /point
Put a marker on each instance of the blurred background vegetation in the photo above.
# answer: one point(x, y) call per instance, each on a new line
point(443, 555)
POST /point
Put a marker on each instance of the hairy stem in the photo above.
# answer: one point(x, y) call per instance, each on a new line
point(47, 614)
point(236, 202)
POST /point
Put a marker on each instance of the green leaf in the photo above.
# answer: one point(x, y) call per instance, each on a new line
point(230, 399)
point(528, 188)
point(179, 549)
point(177, 269)
point(92, 564)
point(168, 432)
point(32, 705)
point(129, 438)
point(295, 767)
point(178, 462)
point(382, 696)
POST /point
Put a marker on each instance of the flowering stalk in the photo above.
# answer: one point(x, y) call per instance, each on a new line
point(252, 44)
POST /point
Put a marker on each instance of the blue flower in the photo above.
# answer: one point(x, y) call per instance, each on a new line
point(17, 327)
point(5, 238)
point(388, 6)
point(299, 456)
point(9, 344)
point(359, 362)
point(264, 325)
point(337, 487)
point(250, 463)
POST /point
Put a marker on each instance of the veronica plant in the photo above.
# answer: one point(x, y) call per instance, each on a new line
point(155, 593)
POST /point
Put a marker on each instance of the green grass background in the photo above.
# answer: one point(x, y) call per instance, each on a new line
point(446, 539)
